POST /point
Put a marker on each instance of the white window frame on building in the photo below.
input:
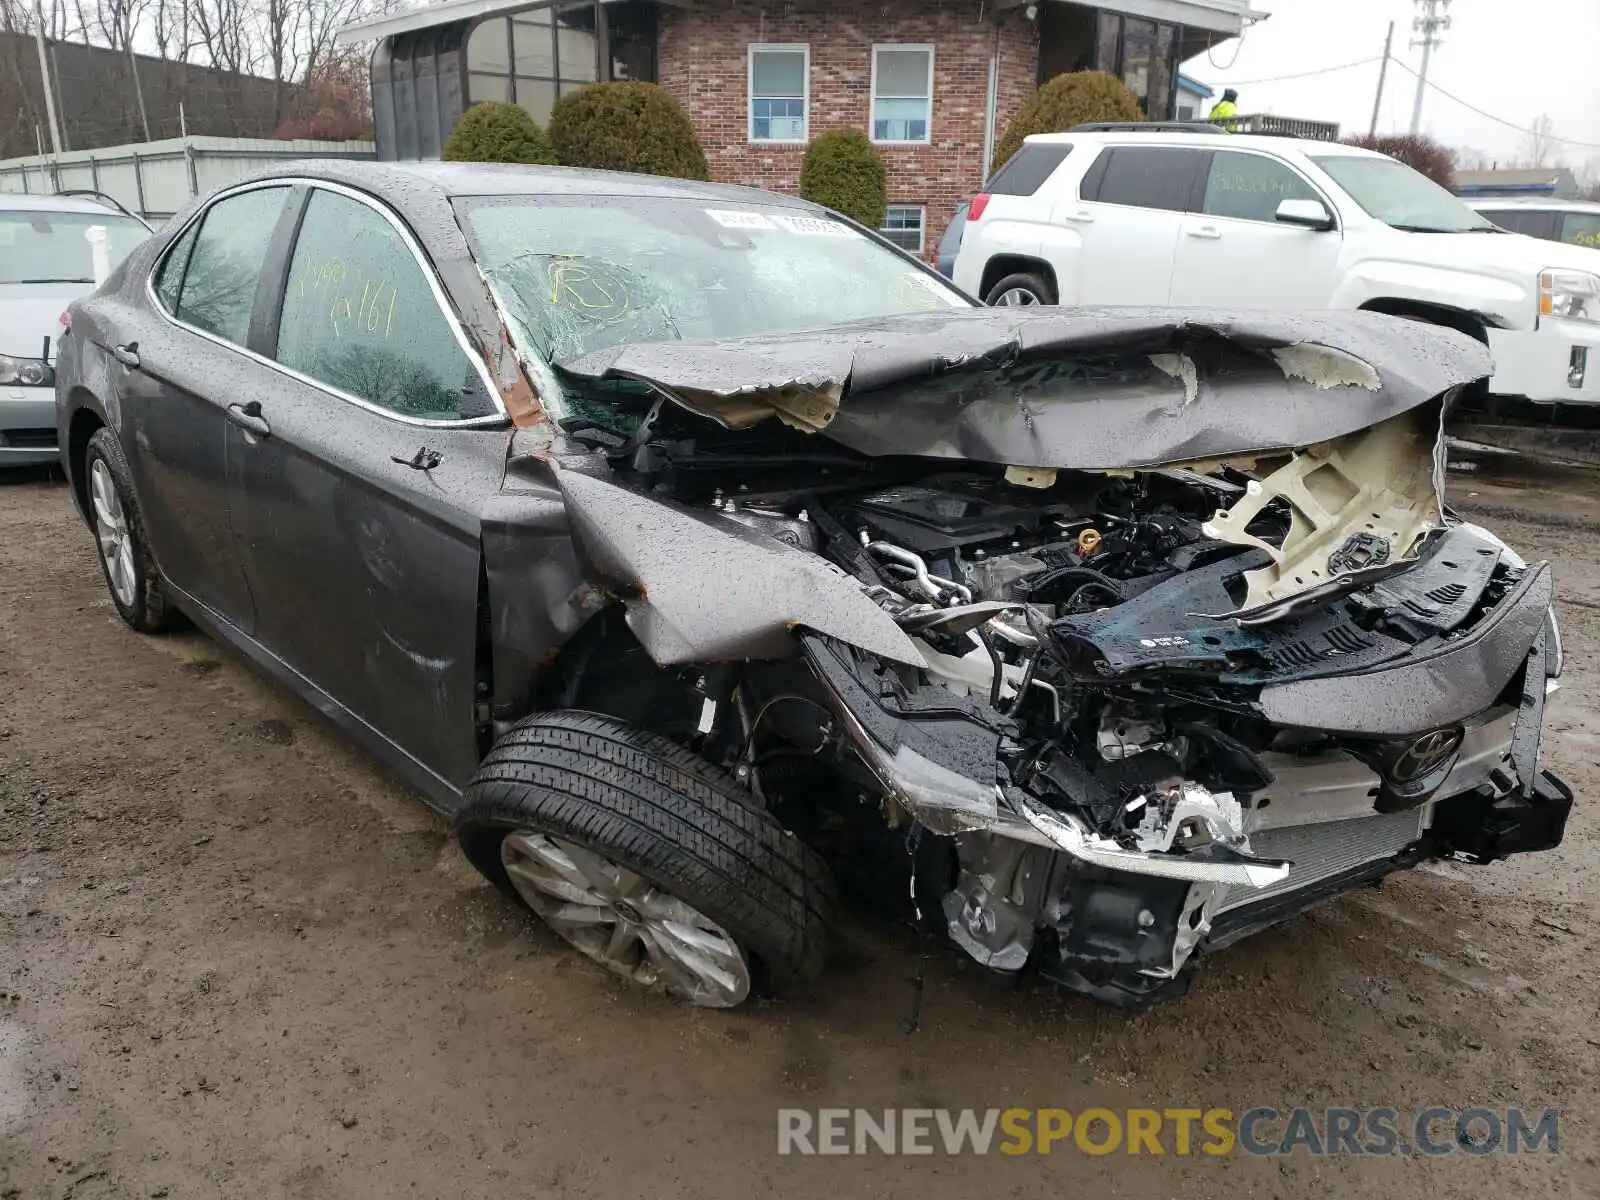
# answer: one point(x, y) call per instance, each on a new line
point(874, 98)
point(896, 233)
point(751, 97)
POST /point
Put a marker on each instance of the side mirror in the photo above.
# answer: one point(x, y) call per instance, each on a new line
point(1308, 214)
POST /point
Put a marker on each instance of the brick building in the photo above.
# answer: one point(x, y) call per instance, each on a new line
point(933, 82)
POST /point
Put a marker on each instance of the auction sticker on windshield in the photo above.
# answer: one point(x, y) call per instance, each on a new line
point(733, 219)
point(814, 226)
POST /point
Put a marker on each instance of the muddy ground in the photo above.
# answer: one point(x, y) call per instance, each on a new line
point(239, 960)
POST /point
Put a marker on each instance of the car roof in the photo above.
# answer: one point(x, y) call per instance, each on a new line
point(1533, 202)
point(394, 181)
point(37, 202)
point(1221, 140)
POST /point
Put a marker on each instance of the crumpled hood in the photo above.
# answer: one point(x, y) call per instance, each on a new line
point(29, 313)
point(1072, 388)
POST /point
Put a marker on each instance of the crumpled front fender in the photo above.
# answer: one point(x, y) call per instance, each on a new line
point(700, 588)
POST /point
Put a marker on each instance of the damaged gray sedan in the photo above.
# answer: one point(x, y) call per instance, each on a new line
point(702, 556)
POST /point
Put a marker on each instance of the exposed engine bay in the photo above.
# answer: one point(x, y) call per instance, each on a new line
point(1107, 758)
point(1138, 633)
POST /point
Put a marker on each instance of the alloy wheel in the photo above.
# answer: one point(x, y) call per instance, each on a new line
point(1015, 298)
point(624, 922)
point(111, 527)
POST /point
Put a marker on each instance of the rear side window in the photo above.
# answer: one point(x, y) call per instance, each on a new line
point(1250, 187)
point(1161, 177)
point(169, 282)
point(1581, 228)
point(1532, 222)
point(359, 315)
point(224, 264)
point(1027, 169)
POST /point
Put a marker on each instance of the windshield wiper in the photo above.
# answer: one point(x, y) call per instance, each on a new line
point(52, 281)
point(1437, 229)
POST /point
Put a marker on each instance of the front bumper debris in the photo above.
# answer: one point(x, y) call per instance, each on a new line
point(1481, 827)
point(1221, 860)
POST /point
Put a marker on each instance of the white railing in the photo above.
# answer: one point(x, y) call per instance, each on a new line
point(156, 179)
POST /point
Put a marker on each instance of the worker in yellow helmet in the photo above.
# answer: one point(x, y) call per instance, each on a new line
point(1225, 111)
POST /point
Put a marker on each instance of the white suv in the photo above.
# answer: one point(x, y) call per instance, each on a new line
point(1168, 216)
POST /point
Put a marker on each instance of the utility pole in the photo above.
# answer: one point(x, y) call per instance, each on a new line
point(1431, 25)
point(1383, 74)
point(133, 69)
point(44, 77)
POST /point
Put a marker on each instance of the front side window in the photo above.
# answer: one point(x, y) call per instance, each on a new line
point(902, 93)
point(1398, 196)
point(359, 315)
point(60, 247)
point(1144, 177)
point(580, 274)
point(779, 78)
point(1249, 187)
point(218, 290)
point(903, 225)
point(1581, 228)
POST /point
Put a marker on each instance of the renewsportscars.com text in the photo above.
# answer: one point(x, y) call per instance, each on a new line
point(1178, 1131)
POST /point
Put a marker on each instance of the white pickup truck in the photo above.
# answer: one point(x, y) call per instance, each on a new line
point(1163, 215)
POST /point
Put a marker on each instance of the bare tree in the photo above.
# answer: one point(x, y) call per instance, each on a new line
point(1541, 141)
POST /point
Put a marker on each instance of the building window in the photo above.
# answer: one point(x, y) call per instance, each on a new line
point(779, 86)
point(1143, 55)
point(533, 57)
point(902, 93)
point(903, 225)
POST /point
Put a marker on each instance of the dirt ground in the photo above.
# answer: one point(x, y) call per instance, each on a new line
point(239, 960)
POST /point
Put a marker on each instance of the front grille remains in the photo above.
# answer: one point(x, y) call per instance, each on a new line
point(1326, 849)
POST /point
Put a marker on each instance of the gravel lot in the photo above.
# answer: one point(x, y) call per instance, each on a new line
point(237, 959)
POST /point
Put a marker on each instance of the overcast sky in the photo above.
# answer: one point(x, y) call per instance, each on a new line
point(1516, 59)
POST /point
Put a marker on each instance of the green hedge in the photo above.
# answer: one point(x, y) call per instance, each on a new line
point(492, 132)
point(844, 171)
point(1065, 101)
point(626, 127)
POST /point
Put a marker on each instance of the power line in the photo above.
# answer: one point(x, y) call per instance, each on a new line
point(1304, 74)
point(1489, 116)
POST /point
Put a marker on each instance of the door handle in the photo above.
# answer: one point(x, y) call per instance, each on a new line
point(127, 355)
point(1209, 233)
point(1083, 216)
point(248, 417)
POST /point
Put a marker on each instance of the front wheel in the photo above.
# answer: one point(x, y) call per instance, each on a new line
point(647, 859)
point(1020, 290)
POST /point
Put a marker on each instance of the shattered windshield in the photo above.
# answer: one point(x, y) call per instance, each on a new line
point(577, 274)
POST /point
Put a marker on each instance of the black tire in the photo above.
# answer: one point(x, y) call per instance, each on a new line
point(649, 805)
point(151, 609)
point(1026, 281)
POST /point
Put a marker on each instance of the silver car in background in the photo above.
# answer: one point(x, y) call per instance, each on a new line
point(53, 249)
